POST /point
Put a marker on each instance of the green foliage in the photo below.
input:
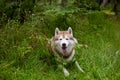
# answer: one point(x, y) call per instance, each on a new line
point(87, 4)
point(17, 10)
point(21, 10)
point(25, 52)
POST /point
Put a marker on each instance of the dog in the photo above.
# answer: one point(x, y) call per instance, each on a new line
point(63, 46)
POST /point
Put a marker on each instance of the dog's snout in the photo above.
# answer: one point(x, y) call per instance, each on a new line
point(64, 45)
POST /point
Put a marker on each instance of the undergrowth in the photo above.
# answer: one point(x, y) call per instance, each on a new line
point(25, 52)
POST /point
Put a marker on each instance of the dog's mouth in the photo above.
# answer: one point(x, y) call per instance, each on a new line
point(64, 49)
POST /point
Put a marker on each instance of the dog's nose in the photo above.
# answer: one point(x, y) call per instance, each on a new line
point(64, 45)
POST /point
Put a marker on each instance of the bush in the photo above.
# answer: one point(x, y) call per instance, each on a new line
point(87, 4)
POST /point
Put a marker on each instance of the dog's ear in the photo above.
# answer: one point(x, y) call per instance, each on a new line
point(75, 40)
point(56, 31)
point(70, 31)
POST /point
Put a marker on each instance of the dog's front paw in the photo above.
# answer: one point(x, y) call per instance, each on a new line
point(79, 68)
point(66, 73)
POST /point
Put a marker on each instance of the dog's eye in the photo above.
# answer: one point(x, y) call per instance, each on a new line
point(66, 38)
point(56, 39)
point(60, 39)
point(71, 39)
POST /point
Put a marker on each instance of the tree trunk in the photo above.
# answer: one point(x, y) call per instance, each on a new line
point(115, 7)
point(64, 3)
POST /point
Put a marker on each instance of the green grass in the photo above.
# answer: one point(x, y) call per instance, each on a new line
point(25, 52)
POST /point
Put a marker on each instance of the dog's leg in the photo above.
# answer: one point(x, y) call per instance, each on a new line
point(65, 71)
point(78, 66)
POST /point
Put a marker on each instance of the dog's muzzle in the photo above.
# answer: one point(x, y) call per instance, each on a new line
point(64, 48)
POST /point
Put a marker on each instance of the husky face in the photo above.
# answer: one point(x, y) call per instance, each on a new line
point(64, 41)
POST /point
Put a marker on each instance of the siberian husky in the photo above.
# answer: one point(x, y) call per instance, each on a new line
point(63, 45)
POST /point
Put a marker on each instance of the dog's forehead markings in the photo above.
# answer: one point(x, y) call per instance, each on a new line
point(63, 33)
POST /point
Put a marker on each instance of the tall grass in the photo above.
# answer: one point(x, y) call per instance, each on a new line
point(25, 53)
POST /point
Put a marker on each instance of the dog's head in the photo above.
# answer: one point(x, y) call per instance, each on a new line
point(64, 41)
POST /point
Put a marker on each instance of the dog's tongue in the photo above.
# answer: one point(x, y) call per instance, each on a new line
point(64, 49)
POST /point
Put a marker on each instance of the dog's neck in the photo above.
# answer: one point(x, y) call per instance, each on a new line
point(66, 57)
